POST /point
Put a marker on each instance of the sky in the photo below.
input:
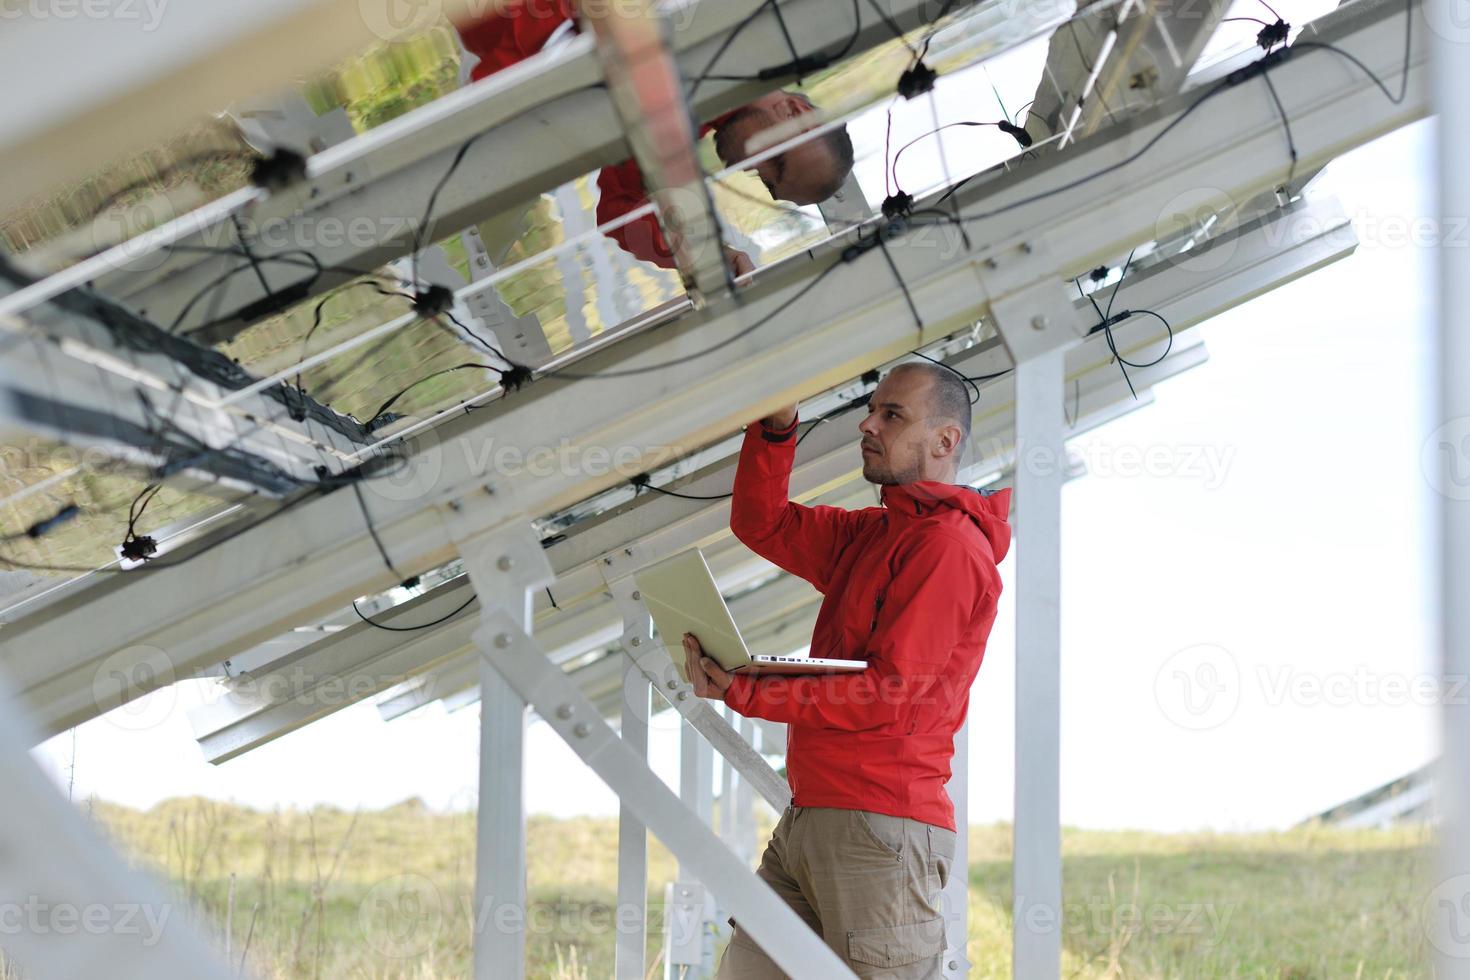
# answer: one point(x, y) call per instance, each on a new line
point(1246, 625)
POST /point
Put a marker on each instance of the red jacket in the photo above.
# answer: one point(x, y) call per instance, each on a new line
point(911, 587)
point(515, 34)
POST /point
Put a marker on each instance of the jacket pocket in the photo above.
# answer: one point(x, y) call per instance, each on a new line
point(896, 945)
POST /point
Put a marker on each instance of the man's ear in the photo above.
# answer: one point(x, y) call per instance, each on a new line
point(949, 445)
point(789, 106)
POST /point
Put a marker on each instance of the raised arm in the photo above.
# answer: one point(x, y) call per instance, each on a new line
point(804, 541)
point(931, 605)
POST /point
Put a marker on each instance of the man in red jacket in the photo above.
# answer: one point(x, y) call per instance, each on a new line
point(864, 851)
point(805, 174)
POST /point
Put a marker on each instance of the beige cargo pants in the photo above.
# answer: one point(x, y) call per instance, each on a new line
point(869, 884)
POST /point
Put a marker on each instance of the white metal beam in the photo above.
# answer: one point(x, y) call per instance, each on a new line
point(163, 64)
point(1446, 458)
point(288, 570)
point(544, 123)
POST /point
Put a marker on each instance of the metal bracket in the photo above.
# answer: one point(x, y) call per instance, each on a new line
point(1030, 307)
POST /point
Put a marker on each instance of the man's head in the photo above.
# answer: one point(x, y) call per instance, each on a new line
point(917, 426)
point(804, 174)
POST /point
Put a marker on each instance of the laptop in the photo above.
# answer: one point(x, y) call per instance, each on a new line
point(682, 596)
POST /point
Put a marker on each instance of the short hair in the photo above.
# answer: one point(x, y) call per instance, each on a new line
point(838, 143)
point(948, 393)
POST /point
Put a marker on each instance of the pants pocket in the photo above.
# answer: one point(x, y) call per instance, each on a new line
point(881, 830)
point(890, 946)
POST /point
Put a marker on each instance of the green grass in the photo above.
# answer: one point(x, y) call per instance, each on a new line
point(327, 893)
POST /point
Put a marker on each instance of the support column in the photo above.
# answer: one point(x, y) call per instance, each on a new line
point(500, 831)
point(1446, 455)
point(631, 920)
point(1037, 868)
point(956, 901)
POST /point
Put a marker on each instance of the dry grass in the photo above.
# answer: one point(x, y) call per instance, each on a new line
point(328, 893)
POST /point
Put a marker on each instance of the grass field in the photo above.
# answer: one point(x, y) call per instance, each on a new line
point(387, 894)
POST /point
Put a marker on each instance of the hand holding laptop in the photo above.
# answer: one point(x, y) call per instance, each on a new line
point(710, 680)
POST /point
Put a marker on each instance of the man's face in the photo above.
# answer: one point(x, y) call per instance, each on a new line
point(795, 175)
point(898, 441)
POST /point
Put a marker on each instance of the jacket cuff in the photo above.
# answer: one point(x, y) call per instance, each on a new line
point(779, 435)
point(737, 695)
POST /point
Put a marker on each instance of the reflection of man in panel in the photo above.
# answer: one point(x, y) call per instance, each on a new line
point(864, 851)
point(805, 174)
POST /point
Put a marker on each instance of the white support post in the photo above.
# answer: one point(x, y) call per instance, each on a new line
point(506, 564)
point(500, 842)
point(956, 900)
point(500, 847)
point(1037, 867)
point(1447, 456)
point(744, 808)
point(632, 917)
point(631, 921)
point(52, 859)
point(688, 911)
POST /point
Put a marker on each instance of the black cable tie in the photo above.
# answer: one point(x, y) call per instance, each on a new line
point(412, 582)
point(898, 205)
point(1021, 136)
point(279, 170)
point(640, 480)
point(139, 548)
point(1099, 274)
point(434, 301)
point(1257, 67)
point(1273, 34)
point(871, 377)
point(515, 377)
point(916, 81)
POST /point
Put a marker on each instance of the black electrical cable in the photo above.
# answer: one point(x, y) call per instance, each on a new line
point(969, 381)
point(421, 232)
point(1015, 132)
point(630, 372)
point(641, 483)
point(410, 629)
point(136, 547)
point(373, 532)
point(1286, 124)
point(1127, 263)
point(316, 315)
point(800, 65)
